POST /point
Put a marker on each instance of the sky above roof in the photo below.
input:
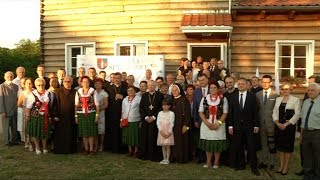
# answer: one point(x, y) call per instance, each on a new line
point(20, 19)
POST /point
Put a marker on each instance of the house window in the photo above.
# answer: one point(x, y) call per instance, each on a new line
point(74, 49)
point(295, 58)
point(137, 48)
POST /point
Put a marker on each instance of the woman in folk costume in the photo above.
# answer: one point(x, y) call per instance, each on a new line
point(130, 111)
point(38, 112)
point(22, 102)
point(213, 112)
point(87, 115)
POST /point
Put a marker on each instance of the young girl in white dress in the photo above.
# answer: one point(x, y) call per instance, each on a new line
point(165, 123)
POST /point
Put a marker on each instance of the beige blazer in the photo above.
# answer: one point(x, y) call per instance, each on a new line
point(292, 103)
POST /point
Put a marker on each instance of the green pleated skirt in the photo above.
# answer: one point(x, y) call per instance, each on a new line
point(213, 145)
point(86, 125)
point(130, 134)
point(37, 127)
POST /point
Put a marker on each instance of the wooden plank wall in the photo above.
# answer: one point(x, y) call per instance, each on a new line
point(103, 22)
point(253, 40)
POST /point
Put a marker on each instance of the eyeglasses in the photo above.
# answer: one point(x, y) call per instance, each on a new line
point(67, 81)
point(284, 89)
point(40, 85)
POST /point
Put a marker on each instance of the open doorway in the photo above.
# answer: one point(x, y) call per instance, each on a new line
point(208, 51)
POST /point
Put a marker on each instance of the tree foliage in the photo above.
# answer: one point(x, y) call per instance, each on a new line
point(26, 54)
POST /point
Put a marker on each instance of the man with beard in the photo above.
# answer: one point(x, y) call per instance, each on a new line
point(65, 134)
point(8, 109)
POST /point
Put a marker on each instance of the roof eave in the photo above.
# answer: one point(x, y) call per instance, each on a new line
point(206, 29)
point(304, 8)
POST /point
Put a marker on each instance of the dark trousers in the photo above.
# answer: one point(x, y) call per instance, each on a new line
point(238, 144)
point(311, 149)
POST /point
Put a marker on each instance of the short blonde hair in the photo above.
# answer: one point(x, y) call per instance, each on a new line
point(39, 80)
point(286, 83)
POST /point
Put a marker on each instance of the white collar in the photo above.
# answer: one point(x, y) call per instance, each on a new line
point(268, 91)
point(244, 93)
point(44, 97)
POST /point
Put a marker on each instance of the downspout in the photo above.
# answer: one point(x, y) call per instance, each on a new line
point(229, 52)
point(41, 32)
point(229, 42)
point(229, 6)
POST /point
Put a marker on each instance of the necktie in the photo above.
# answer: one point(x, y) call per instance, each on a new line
point(203, 92)
point(307, 117)
point(265, 97)
point(241, 102)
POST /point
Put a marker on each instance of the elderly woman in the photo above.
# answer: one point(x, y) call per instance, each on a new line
point(130, 111)
point(38, 113)
point(286, 113)
point(213, 112)
point(182, 111)
point(87, 115)
point(22, 102)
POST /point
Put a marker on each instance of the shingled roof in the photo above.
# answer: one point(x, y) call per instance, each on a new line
point(276, 3)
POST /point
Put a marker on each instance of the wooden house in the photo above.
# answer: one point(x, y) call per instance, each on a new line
point(276, 35)
point(246, 34)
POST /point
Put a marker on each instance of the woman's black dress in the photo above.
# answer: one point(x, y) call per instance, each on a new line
point(285, 138)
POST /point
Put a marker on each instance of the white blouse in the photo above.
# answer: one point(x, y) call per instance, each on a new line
point(130, 109)
point(42, 98)
point(88, 94)
point(100, 96)
point(205, 132)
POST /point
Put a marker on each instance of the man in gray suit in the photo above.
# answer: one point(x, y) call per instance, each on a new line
point(8, 109)
point(266, 100)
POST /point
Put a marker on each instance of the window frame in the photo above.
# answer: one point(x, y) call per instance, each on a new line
point(68, 53)
point(131, 43)
point(309, 55)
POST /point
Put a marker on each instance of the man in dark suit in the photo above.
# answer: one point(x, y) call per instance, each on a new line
point(81, 73)
point(199, 93)
point(61, 73)
point(242, 124)
point(41, 72)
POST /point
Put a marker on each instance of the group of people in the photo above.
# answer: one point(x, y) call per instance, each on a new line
point(213, 117)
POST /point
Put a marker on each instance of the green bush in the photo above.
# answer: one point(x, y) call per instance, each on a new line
point(26, 54)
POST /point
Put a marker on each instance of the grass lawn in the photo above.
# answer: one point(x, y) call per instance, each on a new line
point(17, 163)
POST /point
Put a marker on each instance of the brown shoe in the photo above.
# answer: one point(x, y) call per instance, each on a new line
point(91, 153)
point(135, 154)
point(84, 152)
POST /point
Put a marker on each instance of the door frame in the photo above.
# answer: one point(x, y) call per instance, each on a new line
point(223, 49)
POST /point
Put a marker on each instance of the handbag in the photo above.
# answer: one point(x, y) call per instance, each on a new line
point(124, 122)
